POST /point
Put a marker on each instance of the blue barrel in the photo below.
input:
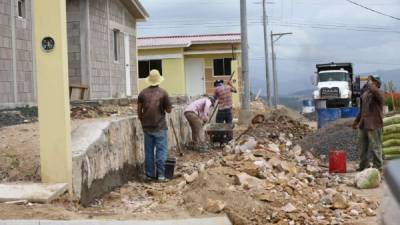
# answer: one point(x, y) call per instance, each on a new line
point(325, 116)
point(308, 103)
point(349, 112)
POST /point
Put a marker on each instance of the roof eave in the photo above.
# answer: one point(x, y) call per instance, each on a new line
point(136, 9)
point(216, 42)
point(161, 46)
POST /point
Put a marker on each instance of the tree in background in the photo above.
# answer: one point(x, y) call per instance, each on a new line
point(390, 88)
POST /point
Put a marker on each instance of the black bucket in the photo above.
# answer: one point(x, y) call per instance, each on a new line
point(170, 168)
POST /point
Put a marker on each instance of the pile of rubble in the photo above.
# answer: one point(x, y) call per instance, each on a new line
point(266, 183)
point(277, 126)
point(84, 111)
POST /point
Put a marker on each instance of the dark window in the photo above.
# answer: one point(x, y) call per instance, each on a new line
point(222, 67)
point(21, 8)
point(146, 65)
point(116, 44)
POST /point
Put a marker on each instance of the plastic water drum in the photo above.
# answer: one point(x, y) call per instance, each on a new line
point(349, 112)
point(337, 161)
point(325, 116)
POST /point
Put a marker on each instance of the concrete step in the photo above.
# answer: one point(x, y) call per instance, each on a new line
point(38, 193)
point(221, 220)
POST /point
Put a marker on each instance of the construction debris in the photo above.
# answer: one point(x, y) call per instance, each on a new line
point(257, 185)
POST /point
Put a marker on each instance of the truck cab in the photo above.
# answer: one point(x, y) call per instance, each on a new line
point(334, 84)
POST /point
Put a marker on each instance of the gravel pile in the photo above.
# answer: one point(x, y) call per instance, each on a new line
point(336, 135)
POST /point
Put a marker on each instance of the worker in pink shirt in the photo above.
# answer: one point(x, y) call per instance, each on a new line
point(197, 114)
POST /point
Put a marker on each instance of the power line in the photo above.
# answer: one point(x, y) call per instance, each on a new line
point(327, 60)
point(373, 10)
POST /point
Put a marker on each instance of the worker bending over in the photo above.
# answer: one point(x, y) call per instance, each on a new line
point(153, 103)
point(369, 121)
point(197, 114)
point(223, 93)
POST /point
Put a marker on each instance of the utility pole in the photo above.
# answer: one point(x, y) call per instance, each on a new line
point(267, 77)
point(245, 96)
point(275, 76)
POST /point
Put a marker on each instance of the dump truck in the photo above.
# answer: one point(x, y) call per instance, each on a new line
point(334, 85)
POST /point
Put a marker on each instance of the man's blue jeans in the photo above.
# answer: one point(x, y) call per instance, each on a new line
point(158, 141)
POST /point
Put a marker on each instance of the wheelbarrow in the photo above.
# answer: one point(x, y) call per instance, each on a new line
point(221, 133)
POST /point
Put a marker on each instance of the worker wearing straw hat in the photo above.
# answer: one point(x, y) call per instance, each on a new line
point(153, 104)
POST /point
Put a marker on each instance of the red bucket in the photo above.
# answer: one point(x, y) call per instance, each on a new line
point(337, 161)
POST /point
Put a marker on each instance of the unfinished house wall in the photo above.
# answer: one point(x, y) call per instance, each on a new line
point(117, 14)
point(74, 41)
point(108, 77)
point(107, 154)
point(17, 82)
point(99, 49)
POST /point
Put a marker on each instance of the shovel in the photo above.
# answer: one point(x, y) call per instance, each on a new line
point(178, 145)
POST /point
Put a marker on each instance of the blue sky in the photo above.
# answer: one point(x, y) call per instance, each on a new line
point(323, 31)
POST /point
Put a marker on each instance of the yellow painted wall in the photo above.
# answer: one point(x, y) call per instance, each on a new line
point(174, 77)
point(174, 70)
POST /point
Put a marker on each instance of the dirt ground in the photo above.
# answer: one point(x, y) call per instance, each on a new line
point(215, 190)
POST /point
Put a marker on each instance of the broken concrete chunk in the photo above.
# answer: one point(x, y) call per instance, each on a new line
point(250, 144)
point(248, 181)
point(192, 177)
point(354, 212)
point(274, 148)
point(215, 206)
point(289, 208)
point(370, 212)
point(339, 201)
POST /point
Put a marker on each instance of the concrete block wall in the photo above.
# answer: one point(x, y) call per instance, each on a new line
point(17, 82)
point(107, 154)
point(107, 75)
point(74, 41)
point(90, 25)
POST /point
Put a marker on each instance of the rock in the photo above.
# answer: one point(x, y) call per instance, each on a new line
point(214, 206)
point(262, 164)
point(339, 202)
point(201, 167)
point(249, 168)
point(250, 144)
point(354, 212)
point(274, 148)
point(181, 185)
point(289, 167)
point(249, 182)
point(289, 208)
point(228, 149)
point(210, 163)
point(275, 162)
point(266, 197)
point(192, 177)
point(370, 212)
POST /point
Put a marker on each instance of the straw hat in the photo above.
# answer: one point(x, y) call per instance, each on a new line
point(154, 78)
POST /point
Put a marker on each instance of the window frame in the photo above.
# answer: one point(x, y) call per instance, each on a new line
point(224, 60)
point(116, 45)
point(21, 9)
point(150, 67)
